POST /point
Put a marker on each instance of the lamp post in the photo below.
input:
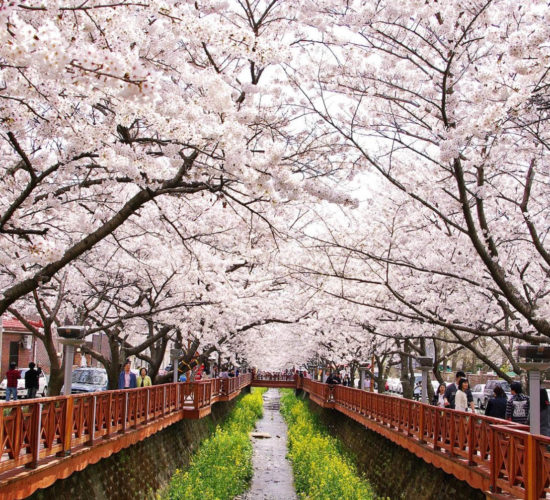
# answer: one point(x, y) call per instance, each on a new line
point(175, 355)
point(426, 364)
point(535, 359)
point(70, 336)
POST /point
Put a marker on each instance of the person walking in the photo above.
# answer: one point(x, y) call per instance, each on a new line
point(461, 398)
point(13, 376)
point(439, 396)
point(143, 379)
point(127, 379)
point(451, 389)
point(333, 379)
point(517, 407)
point(496, 406)
point(32, 380)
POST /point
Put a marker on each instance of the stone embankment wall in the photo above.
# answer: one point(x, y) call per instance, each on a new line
point(393, 471)
point(139, 471)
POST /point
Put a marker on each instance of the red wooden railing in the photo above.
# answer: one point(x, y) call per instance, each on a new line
point(506, 456)
point(34, 430)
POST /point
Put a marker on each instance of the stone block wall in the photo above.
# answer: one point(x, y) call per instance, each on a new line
point(393, 471)
point(141, 470)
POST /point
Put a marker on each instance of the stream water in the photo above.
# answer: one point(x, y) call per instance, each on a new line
point(272, 478)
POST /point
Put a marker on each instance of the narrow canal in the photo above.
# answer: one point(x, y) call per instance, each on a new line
point(272, 478)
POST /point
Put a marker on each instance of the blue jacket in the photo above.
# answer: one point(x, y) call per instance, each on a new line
point(133, 380)
point(496, 407)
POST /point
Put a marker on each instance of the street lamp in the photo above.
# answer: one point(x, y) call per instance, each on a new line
point(426, 364)
point(536, 359)
point(70, 336)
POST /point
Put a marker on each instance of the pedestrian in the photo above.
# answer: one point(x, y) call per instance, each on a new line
point(461, 398)
point(439, 396)
point(183, 377)
point(127, 379)
point(496, 406)
point(333, 379)
point(517, 407)
point(13, 376)
point(544, 413)
point(31, 380)
point(451, 389)
point(143, 379)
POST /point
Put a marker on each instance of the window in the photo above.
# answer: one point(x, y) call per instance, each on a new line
point(14, 353)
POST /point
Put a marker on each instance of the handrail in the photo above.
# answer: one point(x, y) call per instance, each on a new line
point(511, 459)
point(33, 430)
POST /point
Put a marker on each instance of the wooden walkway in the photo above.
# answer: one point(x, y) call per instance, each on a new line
point(50, 438)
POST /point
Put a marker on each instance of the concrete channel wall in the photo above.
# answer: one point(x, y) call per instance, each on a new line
point(393, 471)
point(139, 471)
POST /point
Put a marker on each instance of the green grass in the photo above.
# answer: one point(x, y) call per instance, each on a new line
point(322, 469)
point(222, 468)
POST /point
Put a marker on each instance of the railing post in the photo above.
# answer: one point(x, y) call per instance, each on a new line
point(421, 420)
point(494, 454)
point(531, 485)
point(35, 438)
point(471, 434)
point(197, 391)
point(93, 411)
point(109, 416)
point(164, 399)
point(68, 429)
point(125, 413)
point(147, 405)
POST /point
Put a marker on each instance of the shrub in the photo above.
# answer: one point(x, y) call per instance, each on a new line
point(222, 468)
point(322, 469)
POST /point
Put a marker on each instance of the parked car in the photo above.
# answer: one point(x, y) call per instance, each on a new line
point(89, 380)
point(490, 385)
point(478, 393)
point(418, 389)
point(21, 391)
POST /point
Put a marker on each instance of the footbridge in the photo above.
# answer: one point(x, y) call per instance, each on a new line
point(47, 439)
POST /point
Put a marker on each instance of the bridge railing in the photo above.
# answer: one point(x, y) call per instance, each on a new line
point(275, 377)
point(513, 460)
point(31, 430)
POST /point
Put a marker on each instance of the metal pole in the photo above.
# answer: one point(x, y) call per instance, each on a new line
point(175, 369)
point(68, 357)
point(534, 401)
point(361, 378)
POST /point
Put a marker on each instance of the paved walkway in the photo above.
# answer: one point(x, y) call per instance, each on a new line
point(272, 478)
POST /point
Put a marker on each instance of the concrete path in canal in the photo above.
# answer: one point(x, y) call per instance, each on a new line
point(272, 478)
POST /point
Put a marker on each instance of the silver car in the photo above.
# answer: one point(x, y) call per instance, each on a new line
point(478, 393)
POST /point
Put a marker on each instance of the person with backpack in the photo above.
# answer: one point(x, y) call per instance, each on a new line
point(517, 407)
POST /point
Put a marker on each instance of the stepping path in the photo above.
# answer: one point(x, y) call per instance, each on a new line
point(272, 478)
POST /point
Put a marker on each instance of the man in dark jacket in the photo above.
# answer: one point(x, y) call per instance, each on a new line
point(333, 378)
point(517, 407)
point(32, 380)
point(450, 393)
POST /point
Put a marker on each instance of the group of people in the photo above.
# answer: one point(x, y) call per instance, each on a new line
point(32, 381)
point(128, 380)
point(457, 396)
